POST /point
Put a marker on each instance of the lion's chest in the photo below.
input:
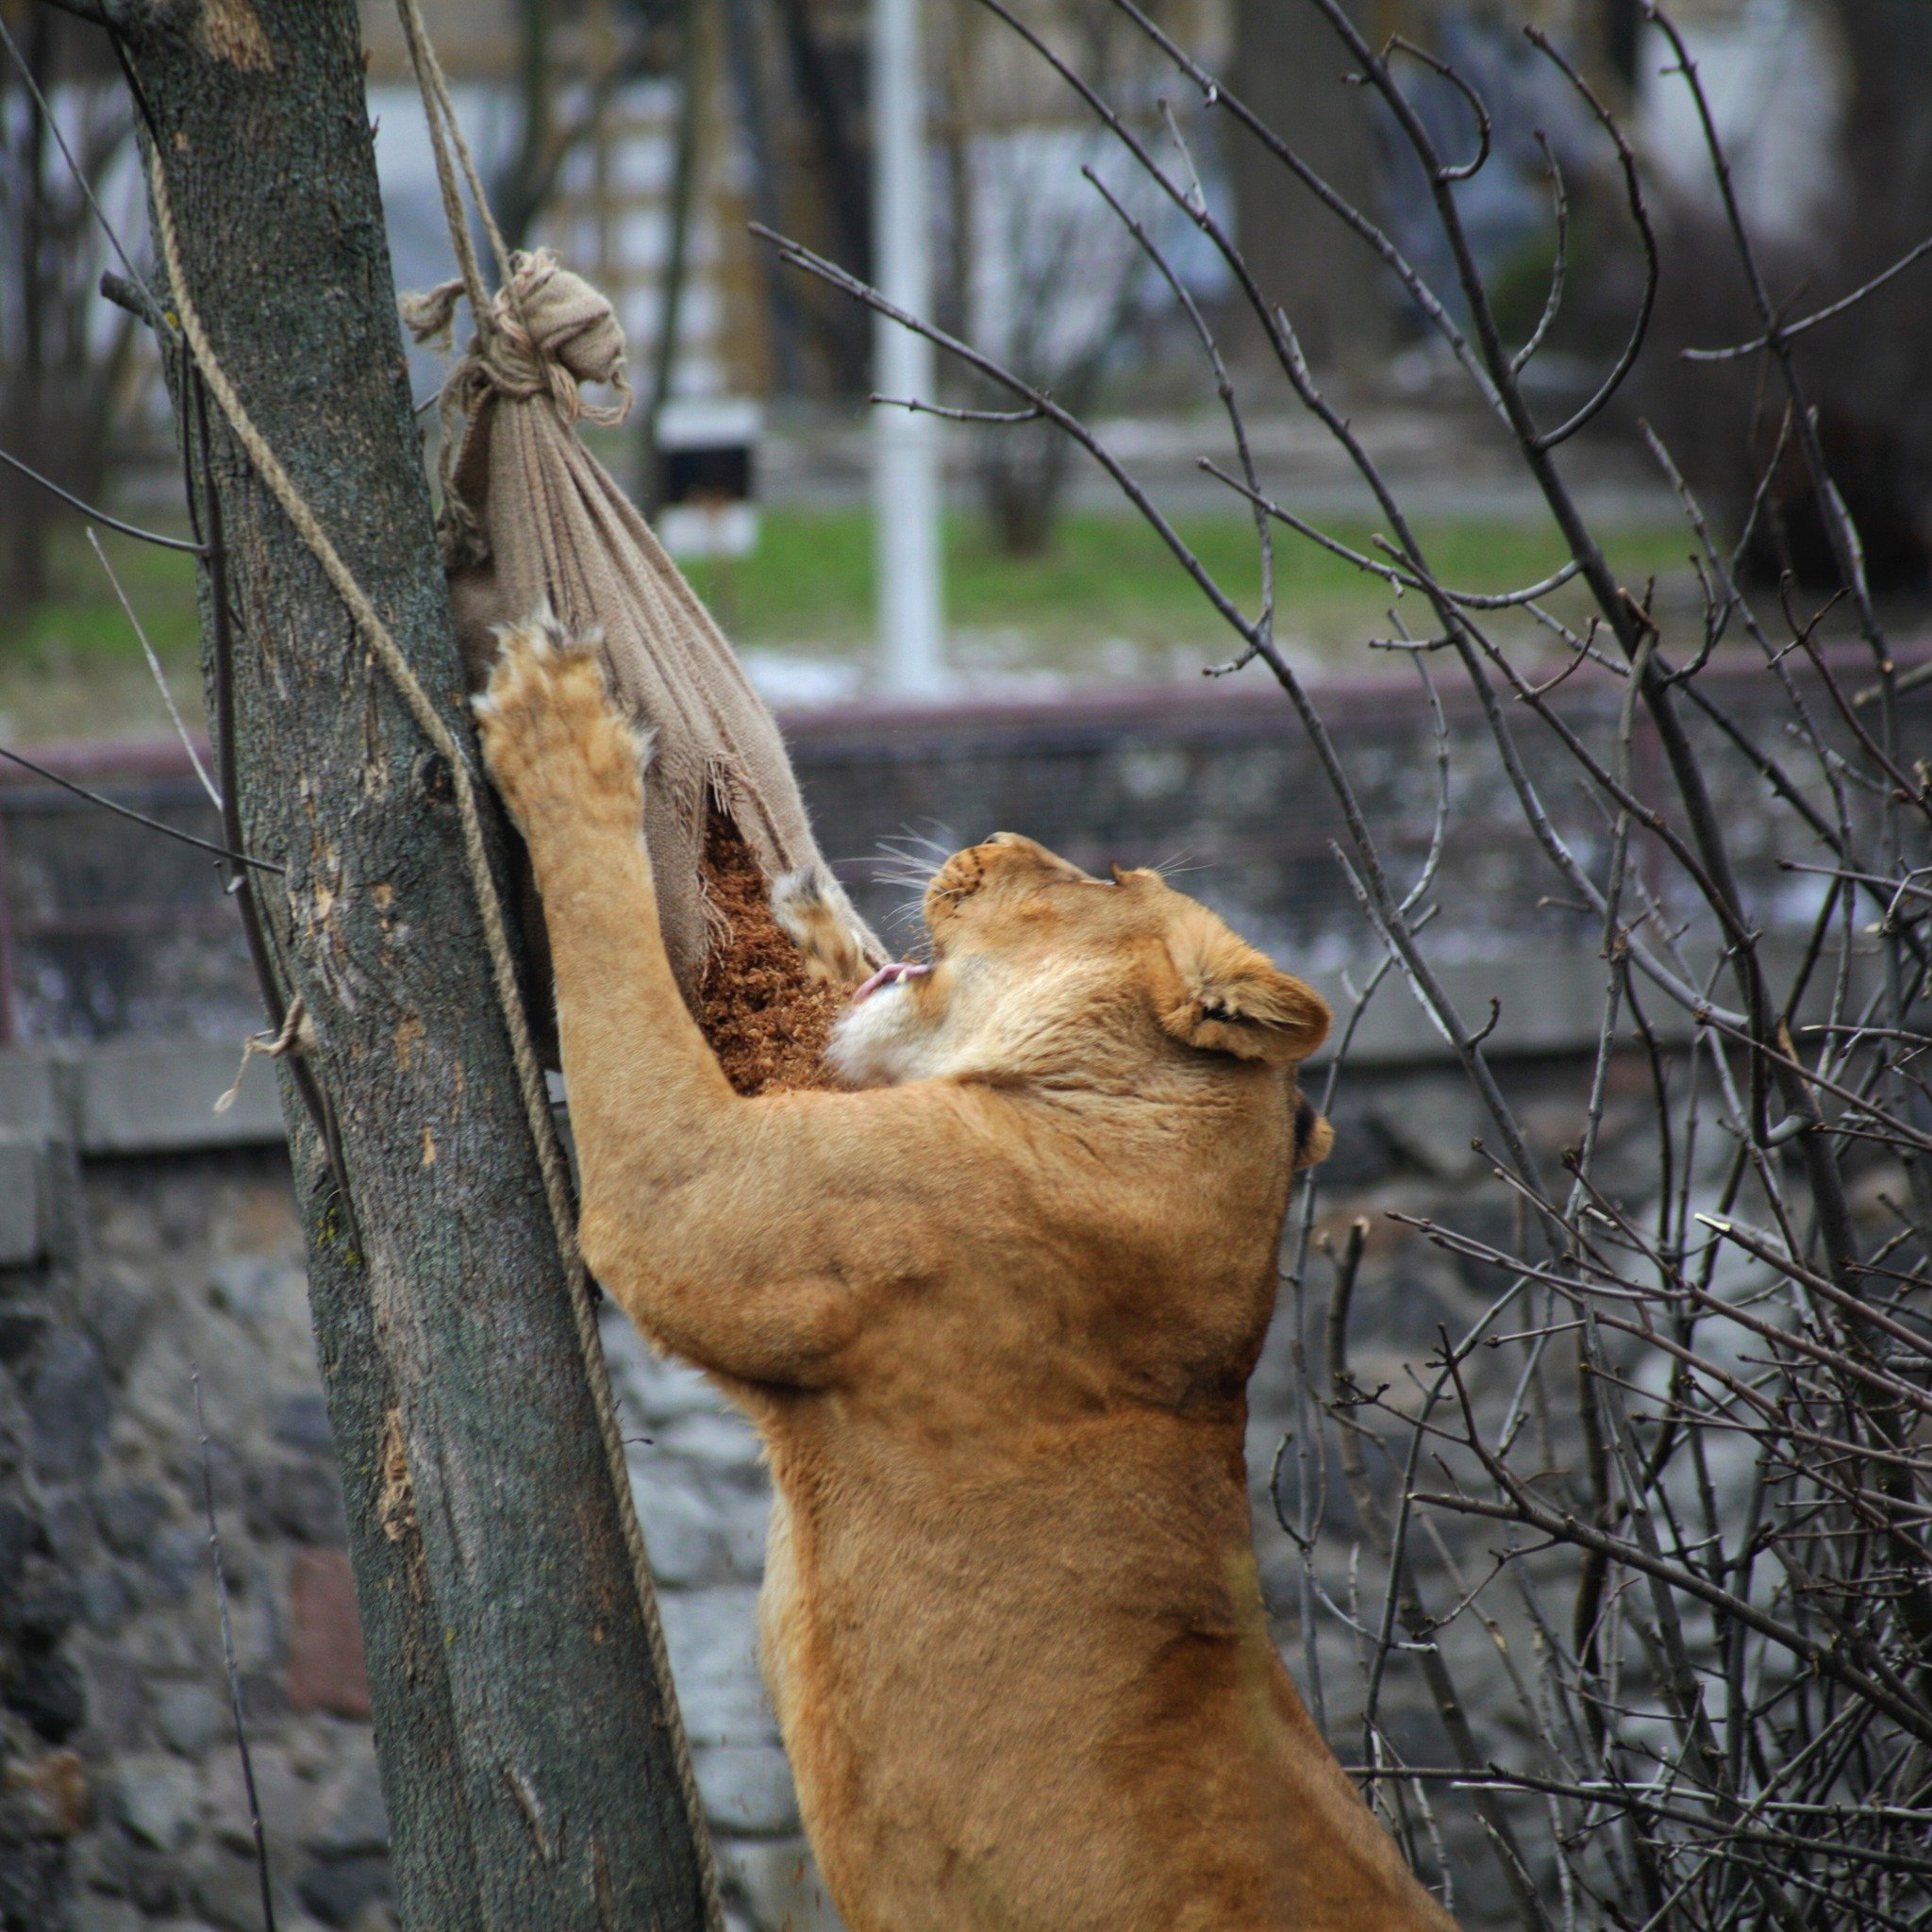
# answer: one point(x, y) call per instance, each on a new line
point(970, 1676)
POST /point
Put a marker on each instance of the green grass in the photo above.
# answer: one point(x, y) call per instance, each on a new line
point(1105, 598)
point(72, 667)
point(1111, 578)
point(85, 618)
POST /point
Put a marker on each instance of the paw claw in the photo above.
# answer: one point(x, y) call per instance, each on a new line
point(554, 745)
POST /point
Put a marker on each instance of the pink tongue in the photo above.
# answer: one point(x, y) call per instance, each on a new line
point(890, 974)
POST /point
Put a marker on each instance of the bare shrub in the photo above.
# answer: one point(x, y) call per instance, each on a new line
point(1647, 1526)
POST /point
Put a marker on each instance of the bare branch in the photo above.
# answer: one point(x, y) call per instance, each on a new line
point(1830, 312)
point(134, 817)
point(160, 676)
point(99, 516)
point(1553, 302)
point(1646, 234)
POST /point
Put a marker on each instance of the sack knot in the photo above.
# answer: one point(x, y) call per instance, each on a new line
point(547, 333)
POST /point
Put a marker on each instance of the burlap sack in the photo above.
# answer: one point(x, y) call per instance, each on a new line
point(529, 515)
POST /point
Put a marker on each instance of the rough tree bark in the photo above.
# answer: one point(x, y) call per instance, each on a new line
point(526, 1747)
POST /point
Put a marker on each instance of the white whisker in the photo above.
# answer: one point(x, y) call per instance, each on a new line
point(1179, 862)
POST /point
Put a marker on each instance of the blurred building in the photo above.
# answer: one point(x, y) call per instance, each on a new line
point(781, 136)
point(594, 179)
point(576, 114)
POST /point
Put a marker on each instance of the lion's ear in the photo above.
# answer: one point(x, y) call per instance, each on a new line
point(1227, 997)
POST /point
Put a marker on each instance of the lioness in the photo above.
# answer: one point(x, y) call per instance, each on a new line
point(995, 1314)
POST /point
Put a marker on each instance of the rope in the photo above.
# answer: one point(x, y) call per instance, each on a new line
point(433, 85)
point(287, 1041)
point(529, 1072)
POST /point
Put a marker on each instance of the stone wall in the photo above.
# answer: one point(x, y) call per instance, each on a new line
point(124, 1804)
point(148, 1253)
point(126, 1270)
point(107, 931)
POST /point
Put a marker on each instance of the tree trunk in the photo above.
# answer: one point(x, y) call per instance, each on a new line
point(25, 507)
point(1868, 374)
point(1291, 66)
point(516, 194)
point(527, 1749)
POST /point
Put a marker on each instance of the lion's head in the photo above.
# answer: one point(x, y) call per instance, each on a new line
point(1040, 970)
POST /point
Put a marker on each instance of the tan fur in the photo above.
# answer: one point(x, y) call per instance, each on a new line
point(994, 1316)
point(812, 910)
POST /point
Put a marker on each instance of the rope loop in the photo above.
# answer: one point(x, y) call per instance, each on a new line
point(545, 334)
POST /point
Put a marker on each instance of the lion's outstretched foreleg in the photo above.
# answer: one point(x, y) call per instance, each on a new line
point(745, 1234)
point(571, 772)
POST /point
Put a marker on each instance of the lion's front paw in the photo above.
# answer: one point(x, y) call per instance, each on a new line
point(556, 749)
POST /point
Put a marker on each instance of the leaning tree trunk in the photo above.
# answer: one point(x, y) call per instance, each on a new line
point(1291, 66)
point(527, 1748)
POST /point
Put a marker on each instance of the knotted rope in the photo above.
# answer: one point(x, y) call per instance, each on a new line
point(545, 333)
point(548, 332)
point(529, 1073)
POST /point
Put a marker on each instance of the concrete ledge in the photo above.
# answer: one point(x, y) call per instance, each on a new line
point(150, 1099)
point(1549, 1005)
point(32, 1105)
point(158, 1096)
point(137, 1097)
point(24, 1204)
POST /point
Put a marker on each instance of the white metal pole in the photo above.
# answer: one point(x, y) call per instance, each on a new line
point(906, 473)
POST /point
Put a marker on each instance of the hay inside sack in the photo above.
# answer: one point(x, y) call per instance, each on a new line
point(766, 1019)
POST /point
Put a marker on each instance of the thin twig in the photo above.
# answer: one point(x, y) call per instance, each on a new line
point(140, 817)
point(235, 1704)
point(1789, 331)
point(99, 516)
point(160, 676)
